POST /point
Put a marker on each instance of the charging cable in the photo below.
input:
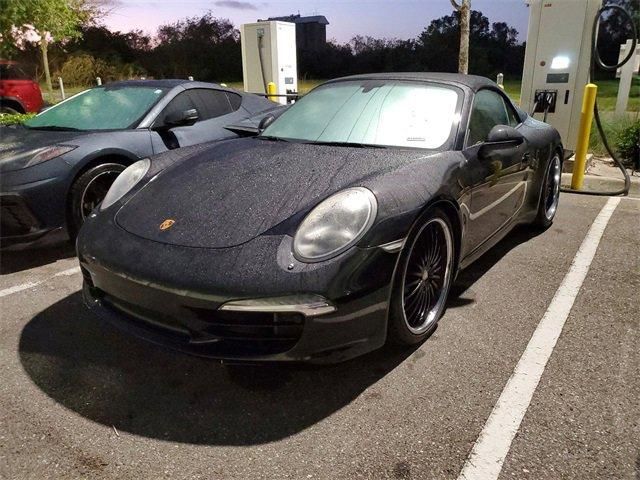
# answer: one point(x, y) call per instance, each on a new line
point(596, 60)
point(261, 59)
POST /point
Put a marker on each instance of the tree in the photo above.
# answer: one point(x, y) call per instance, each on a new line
point(43, 21)
point(493, 47)
point(615, 30)
point(205, 47)
point(464, 10)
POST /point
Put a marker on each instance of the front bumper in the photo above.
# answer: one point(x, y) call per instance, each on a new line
point(20, 227)
point(172, 295)
point(33, 205)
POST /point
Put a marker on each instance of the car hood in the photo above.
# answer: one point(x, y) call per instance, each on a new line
point(234, 191)
point(18, 142)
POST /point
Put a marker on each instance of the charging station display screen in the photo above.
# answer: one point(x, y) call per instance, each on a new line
point(401, 114)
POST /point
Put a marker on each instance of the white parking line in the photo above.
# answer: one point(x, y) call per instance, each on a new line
point(68, 272)
point(28, 285)
point(18, 288)
point(492, 446)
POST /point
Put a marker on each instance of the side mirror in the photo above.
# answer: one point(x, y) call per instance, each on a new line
point(265, 122)
point(501, 137)
point(504, 135)
point(183, 118)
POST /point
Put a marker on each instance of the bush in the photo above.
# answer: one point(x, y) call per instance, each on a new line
point(14, 118)
point(614, 126)
point(628, 144)
point(82, 70)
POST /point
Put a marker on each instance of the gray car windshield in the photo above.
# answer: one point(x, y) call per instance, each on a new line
point(401, 114)
point(101, 108)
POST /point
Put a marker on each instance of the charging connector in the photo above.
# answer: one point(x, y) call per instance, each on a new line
point(544, 101)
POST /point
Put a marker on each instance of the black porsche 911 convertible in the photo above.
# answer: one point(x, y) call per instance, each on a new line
point(339, 227)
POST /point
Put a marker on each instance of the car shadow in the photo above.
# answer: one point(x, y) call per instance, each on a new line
point(114, 379)
point(111, 378)
point(467, 277)
point(16, 261)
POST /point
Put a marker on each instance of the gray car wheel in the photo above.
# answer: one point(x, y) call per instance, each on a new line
point(549, 193)
point(88, 191)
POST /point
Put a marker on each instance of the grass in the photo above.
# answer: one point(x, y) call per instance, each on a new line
point(613, 127)
point(55, 96)
point(14, 118)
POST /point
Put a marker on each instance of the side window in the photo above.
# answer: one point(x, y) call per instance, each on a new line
point(514, 120)
point(235, 100)
point(180, 103)
point(210, 103)
point(12, 72)
point(488, 111)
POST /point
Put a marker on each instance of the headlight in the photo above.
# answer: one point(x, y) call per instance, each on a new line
point(47, 153)
point(335, 225)
point(125, 182)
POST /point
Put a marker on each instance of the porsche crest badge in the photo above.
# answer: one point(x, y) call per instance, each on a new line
point(167, 224)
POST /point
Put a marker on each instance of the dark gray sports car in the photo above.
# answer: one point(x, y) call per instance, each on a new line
point(341, 226)
point(57, 167)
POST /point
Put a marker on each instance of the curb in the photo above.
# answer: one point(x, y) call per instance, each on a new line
point(594, 183)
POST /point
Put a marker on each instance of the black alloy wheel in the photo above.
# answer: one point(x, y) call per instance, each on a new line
point(423, 280)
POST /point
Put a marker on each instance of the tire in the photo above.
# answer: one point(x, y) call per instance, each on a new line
point(549, 194)
point(423, 279)
point(88, 191)
point(9, 110)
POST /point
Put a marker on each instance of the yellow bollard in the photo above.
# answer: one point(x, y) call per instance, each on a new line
point(271, 91)
point(586, 118)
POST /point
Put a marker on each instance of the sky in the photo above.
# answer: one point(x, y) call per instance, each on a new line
point(400, 19)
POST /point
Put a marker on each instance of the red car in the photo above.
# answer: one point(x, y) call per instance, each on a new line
point(18, 92)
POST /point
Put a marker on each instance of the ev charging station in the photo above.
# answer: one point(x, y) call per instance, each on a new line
point(269, 55)
point(557, 62)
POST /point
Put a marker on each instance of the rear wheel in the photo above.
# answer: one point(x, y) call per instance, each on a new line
point(549, 194)
point(8, 110)
point(88, 191)
point(423, 280)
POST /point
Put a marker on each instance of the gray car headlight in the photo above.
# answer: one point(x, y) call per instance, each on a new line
point(125, 182)
point(335, 224)
point(49, 153)
point(34, 157)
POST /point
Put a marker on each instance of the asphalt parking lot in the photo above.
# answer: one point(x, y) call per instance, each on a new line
point(80, 399)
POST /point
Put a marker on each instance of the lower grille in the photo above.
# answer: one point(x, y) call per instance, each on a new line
point(223, 332)
point(15, 217)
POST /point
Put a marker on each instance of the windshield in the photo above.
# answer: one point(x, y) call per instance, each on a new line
point(101, 108)
point(10, 71)
point(372, 112)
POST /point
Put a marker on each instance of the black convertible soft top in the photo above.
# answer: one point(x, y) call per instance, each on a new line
point(474, 82)
point(152, 83)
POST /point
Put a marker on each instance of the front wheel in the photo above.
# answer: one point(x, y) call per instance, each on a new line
point(88, 191)
point(423, 279)
point(549, 194)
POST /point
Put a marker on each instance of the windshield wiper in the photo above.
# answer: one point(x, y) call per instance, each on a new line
point(54, 128)
point(349, 144)
point(272, 138)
